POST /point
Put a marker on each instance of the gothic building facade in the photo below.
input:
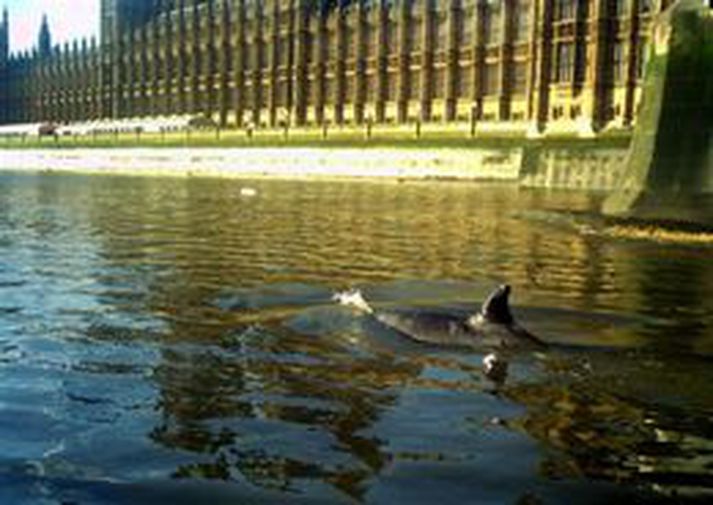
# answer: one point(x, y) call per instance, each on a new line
point(548, 65)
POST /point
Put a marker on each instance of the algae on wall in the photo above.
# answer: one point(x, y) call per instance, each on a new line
point(670, 163)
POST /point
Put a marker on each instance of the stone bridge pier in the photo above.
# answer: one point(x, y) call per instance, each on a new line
point(669, 169)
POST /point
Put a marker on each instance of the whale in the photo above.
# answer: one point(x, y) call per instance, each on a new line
point(491, 329)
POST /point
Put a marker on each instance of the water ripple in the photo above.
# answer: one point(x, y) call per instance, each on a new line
point(157, 334)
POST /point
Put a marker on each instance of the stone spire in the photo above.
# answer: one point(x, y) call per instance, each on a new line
point(5, 36)
point(44, 42)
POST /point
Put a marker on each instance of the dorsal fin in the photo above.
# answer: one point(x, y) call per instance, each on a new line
point(496, 308)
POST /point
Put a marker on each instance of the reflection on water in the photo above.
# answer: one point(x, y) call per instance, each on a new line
point(158, 337)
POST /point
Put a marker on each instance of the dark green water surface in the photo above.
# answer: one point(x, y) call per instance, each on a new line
point(174, 341)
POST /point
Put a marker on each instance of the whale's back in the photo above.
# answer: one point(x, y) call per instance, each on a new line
point(449, 329)
point(429, 327)
point(493, 327)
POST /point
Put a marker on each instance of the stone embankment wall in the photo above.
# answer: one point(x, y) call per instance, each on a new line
point(285, 162)
point(584, 168)
point(562, 168)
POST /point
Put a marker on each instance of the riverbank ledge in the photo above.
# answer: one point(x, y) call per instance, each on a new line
point(485, 164)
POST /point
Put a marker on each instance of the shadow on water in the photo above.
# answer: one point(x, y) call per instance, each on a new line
point(172, 340)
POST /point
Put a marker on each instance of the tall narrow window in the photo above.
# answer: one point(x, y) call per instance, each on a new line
point(522, 20)
point(565, 62)
point(492, 23)
point(329, 90)
point(441, 42)
point(491, 79)
point(466, 28)
point(565, 9)
point(618, 62)
point(642, 57)
point(391, 89)
point(520, 78)
point(439, 83)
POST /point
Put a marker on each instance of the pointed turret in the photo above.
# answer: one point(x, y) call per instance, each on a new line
point(44, 41)
point(5, 36)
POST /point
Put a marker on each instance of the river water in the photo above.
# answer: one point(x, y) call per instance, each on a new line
point(174, 341)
